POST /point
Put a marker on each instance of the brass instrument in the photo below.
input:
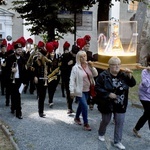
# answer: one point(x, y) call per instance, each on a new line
point(53, 76)
point(30, 60)
point(12, 73)
point(45, 74)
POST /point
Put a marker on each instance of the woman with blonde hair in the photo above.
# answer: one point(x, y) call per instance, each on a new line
point(81, 77)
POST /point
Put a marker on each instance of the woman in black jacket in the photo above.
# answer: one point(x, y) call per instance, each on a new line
point(112, 88)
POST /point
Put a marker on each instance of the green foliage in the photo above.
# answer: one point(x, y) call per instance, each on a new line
point(133, 93)
point(43, 15)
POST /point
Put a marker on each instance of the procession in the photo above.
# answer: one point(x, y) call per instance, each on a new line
point(42, 74)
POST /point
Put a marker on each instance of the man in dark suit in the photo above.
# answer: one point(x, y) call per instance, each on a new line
point(16, 72)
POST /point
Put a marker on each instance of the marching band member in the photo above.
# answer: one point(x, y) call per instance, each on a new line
point(3, 66)
point(53, 68)
point(40, 79)
point(68, 62)
point(10, 51)
point(30, 75)
point(15, 66)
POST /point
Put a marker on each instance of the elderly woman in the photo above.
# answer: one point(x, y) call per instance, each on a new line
point(112, 86)
point(81, 76)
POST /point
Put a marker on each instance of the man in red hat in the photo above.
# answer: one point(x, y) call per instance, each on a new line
point(16, 72)
point(30, 76)
point(67, 63)
point(3, 57)
point(53, 67)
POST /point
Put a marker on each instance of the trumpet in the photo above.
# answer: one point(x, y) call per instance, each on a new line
point(12, 73)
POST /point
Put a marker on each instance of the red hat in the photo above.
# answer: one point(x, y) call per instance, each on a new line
point(29, 40)
point(4, 43)
point(21, 41)
point(41, 44)
point(55, 44)
point(66, 45)
point(87, 38)
point(49, 47)
point(81, 42)
point(10, 47)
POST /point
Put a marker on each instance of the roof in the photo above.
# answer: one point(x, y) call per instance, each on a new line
point(5, 12)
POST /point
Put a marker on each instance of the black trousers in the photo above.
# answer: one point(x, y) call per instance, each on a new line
point(8, 92)
point(145, 117)
point(69, 100)
point(52, 88)
point(41, 97)
point(16, 97)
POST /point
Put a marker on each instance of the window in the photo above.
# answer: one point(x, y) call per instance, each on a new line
point(133, 6)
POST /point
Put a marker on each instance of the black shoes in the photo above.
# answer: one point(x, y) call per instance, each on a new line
point(19, 117)
point(7, 105)
point(12, 111)
point(42, 115)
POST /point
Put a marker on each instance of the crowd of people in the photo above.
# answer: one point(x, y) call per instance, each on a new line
point(40, 69)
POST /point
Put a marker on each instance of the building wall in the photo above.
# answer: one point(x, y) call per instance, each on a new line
point(17, 28)
point(125, 15)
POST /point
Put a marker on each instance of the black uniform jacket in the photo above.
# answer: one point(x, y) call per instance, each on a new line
point(104, 86)
point(21, 64)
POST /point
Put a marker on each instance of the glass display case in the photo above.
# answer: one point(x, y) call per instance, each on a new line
point(117, 38)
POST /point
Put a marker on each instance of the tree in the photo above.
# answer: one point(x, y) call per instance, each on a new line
point(43, 15)
point(142, 17)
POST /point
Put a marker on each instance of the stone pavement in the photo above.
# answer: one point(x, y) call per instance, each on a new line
point(58, 132)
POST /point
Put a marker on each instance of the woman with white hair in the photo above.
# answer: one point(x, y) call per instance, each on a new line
point(112, 87)
point(81, 77)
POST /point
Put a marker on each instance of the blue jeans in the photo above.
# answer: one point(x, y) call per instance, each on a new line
point(83, 107)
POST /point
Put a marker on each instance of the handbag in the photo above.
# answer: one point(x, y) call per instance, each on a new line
point(92, 90)
point(92, 86)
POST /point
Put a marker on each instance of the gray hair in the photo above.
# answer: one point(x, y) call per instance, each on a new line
point(114, 60)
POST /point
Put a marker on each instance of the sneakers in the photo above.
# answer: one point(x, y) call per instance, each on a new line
point(101, 138)
point(136, 133)
point(119, 145)
point(77, 121)
point(87, 127)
